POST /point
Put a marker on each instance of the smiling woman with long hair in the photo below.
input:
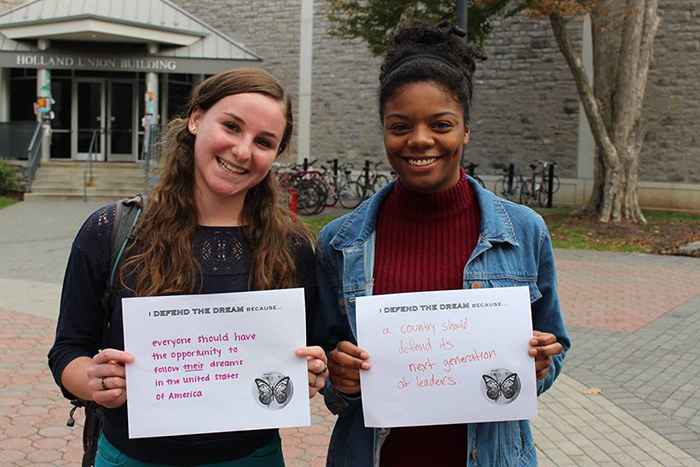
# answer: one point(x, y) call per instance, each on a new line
point(214, 224)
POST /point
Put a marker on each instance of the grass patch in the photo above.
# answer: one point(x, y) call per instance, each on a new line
point(668, 216)
point(553, 212)
point(583, 238)
point(318, 223)
point(5, 202)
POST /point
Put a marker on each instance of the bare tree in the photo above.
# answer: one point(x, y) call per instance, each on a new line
point(622, 50)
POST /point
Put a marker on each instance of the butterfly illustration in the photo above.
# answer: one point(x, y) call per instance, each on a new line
point(508, 387)
point(280, 391)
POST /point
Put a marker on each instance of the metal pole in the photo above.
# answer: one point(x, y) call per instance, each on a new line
point(462, 6)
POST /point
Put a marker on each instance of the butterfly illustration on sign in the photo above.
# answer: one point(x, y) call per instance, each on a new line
point(273, 390)
point(501, 386)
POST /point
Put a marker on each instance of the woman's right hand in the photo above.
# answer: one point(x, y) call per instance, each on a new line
point(107, 377)
point(344, 365)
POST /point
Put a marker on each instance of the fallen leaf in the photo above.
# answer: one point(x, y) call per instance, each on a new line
point(593, 391)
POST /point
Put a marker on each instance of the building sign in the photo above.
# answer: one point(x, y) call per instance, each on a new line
point(119, 63)
point(94, 63)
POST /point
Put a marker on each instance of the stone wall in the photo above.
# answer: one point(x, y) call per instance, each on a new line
point(671, 151)
point(526, 106)
point(344, 120)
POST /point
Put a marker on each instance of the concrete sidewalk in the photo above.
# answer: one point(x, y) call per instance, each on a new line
point(629, 396)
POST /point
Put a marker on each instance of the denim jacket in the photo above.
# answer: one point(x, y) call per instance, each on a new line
point(513, 249)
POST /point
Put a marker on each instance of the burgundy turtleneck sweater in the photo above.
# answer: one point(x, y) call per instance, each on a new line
point(423, 243)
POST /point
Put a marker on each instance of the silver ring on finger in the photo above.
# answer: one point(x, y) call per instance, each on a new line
point(104, 386)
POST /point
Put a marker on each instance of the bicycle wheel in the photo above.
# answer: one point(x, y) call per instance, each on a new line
point(311, 198)
point(350, 195)
point(555, 184)
point(479, 181)
point(526, 194)
point(499, 188)
point(379, 182)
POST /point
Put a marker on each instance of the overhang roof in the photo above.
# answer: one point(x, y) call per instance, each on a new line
point(180, 34)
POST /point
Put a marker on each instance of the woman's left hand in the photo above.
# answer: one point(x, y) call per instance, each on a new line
point(317, 364)
point(542, 346)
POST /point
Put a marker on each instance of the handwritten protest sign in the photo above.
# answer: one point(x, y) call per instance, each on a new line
point(218, 362)
point(457, 356)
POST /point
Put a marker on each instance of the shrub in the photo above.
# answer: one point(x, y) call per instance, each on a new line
point(8, 180)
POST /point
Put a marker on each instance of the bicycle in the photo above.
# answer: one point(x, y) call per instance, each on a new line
point(371, 181)
point(509, 184)
point(340, 189)
point(537, 186)
point(311, 196)
point(469, 168)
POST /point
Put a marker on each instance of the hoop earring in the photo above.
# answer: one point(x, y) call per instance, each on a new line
point(193, 128)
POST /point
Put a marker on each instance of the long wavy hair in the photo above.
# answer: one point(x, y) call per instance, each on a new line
point(161, 259)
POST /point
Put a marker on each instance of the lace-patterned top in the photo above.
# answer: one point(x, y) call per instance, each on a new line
point(225, 258)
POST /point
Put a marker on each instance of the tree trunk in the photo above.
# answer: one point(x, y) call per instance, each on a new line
point(614, 109)
point(604, 72)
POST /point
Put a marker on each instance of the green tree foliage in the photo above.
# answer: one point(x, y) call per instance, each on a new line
point(374, 21)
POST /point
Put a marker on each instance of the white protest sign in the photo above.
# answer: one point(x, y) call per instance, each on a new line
point(218, 362)
point(456, 356)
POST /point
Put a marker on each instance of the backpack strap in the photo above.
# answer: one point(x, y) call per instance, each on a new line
point(128, 211)
point(127, 215)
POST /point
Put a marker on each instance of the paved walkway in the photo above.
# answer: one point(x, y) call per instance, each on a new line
point(630, 395)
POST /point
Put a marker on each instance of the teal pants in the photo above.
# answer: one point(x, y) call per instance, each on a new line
point(269, 455)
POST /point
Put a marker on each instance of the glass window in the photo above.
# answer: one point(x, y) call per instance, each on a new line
point(22, 97)
point(178, 94)
point(60, 144)
point(61, 92)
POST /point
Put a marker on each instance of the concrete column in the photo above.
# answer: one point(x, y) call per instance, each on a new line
point(586, 143)
point(305, 73)
point(152, 95)
point(43, 91)
point(4, 94)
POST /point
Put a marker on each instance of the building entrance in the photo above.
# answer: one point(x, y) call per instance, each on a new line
point(106, 123)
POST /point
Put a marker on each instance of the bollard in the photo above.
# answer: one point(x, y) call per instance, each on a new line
point(511, 173)
point(550, 185)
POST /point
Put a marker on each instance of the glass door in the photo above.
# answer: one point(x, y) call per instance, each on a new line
point(121, 136)
point(89, 119)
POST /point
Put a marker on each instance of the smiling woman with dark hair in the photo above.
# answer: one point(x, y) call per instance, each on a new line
point(434, 229)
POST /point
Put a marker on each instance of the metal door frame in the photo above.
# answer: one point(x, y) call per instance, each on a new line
point(133, 157)
point(75, 155)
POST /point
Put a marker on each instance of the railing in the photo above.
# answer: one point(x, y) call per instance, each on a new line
point(88, 163)
point(33, 154)
point(15, 138)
